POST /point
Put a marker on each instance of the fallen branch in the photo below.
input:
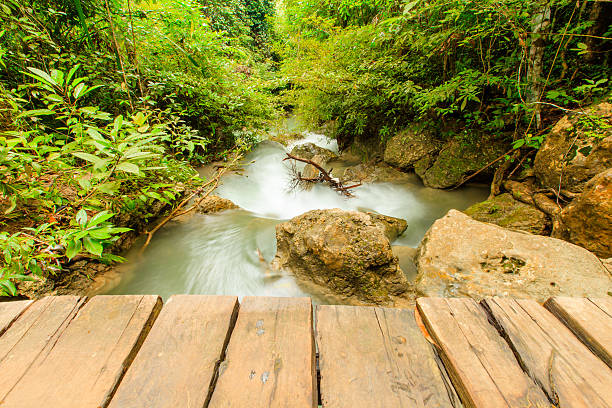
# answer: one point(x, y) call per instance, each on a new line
point(176, 212)
point(324, 176)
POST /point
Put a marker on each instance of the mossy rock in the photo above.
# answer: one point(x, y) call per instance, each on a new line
point(458, 159)
point(505, 211)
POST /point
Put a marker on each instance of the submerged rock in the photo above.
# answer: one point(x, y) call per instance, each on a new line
point(310, 150)
point(463, 257)
point(505, 211)
point(573, 153)
point(587, 220)
point(213, 204)
point(346, 251)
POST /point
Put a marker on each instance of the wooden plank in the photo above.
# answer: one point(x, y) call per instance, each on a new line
point(270, 359)
point(31, 335)
point(570, 374)
point(377, 357)
point(9, 311)
point(85, 364)
point(177, 362)
point(603, 304)
point(586, 320)
point(482, 366)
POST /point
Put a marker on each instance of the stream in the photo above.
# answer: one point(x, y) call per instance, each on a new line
point(220, 253)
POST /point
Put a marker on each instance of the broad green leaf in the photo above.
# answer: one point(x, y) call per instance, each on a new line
point(92, 246)
point(36, 112)
point(87, 157)
point(42, 75)
point(8, 287)
point(98, 234)
point(73, 247)
point(128, 167)
point(81, 217)
point(109, 188)
point(99, 218)
point(71, 74)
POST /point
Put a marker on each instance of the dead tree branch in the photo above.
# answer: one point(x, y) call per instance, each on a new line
point(323, 177)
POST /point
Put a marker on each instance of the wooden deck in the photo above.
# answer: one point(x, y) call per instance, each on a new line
point(212, 351)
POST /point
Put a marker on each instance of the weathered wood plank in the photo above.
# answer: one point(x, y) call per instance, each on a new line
point(83, 367)
point(482, 366)
point(9, 311)
point(36, 330)
point(603, 304)
point(586, 320)
point(570, 374)
point(270, 359)
point(176, 364)
point(376, 357)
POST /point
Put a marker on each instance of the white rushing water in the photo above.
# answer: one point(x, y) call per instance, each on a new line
point(220, 253)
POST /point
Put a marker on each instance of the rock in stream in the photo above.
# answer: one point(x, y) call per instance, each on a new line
point(348, 252)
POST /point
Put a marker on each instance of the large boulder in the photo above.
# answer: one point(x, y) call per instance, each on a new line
point(460, 256)
point(374, 172)
point(458, 159)
point(505, 211)
point(587, 220)
point(406, 148)
point(573, 152)
point(309, 150)
point(347, 252)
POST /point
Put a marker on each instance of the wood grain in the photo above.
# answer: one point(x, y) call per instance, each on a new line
point(177, 362)
point(30, 337)
point(586, 320)
point(376, 357)
point(270, 360)
point(83, 367)
point(482, 366)
point(9, 311)
point(565, 368)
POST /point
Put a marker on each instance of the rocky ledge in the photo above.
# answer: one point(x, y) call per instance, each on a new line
point(463, 257)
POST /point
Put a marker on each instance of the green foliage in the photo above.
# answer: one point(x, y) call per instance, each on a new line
point(445, 65)
point(103, 106)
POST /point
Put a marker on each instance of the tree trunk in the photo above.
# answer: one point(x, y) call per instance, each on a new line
point(539, 27)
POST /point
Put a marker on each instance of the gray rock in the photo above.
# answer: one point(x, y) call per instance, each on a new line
point(407, 147)
point(458, 159)
point(374, 172)
point(463, 257)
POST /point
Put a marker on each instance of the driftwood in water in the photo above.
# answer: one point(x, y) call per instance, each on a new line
point(323, 177)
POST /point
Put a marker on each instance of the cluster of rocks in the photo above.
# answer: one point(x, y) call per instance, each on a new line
point(350, 254)
point(548, 234)
point(568, 193)
point(443, 164)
